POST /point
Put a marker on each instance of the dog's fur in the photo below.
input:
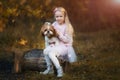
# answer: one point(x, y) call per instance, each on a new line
point(50, 34)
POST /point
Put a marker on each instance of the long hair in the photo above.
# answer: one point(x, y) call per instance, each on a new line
point(69, 29)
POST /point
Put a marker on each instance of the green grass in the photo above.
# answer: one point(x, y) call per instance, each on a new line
point(98, 59)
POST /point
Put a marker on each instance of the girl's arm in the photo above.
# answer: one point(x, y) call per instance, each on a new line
point(65, 38)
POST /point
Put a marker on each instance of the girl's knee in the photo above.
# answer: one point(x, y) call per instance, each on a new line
point(51, 55)
point(45, 52)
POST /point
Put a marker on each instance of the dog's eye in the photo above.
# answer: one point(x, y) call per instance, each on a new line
point(45, 29)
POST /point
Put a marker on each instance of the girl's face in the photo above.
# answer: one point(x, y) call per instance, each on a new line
point(60, 17)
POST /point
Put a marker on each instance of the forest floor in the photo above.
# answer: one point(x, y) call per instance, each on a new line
point(98, 59)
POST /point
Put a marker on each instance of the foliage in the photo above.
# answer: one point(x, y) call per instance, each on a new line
point(22, 19)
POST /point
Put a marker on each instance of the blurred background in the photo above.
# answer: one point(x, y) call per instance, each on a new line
point(97, 29)
point(21, 20)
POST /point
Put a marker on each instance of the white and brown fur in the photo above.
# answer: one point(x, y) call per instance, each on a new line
point(50, 34)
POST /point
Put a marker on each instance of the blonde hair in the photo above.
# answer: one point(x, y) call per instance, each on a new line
point(67, 21)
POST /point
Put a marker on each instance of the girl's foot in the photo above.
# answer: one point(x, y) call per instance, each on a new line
point(47, 72)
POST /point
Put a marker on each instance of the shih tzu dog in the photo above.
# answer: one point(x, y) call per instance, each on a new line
point(50, 34)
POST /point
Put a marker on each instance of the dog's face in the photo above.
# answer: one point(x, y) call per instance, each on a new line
point(48, 30)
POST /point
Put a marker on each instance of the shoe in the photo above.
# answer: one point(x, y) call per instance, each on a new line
point(47, 72)
point(59, 72)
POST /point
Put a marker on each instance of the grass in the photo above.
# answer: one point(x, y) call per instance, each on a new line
point(98, 59)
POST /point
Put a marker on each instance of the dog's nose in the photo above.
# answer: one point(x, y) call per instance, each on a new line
point(48, 31)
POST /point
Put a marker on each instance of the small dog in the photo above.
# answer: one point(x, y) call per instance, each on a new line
point(50, 34)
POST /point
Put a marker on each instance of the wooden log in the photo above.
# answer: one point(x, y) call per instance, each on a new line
point(34, 60)
point(29, 60)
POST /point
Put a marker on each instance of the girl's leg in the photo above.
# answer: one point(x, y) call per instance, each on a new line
point(49, 69)
point(53, 56)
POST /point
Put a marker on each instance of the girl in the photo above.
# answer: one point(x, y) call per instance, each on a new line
point(65, 35)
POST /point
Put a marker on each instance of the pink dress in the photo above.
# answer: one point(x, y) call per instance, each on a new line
point(64, 49)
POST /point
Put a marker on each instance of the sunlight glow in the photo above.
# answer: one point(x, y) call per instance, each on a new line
point(117, 4)
point(117, 1)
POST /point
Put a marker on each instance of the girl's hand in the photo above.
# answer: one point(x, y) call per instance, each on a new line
point(59, 33)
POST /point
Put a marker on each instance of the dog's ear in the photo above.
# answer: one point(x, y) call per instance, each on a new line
point(55, 32)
